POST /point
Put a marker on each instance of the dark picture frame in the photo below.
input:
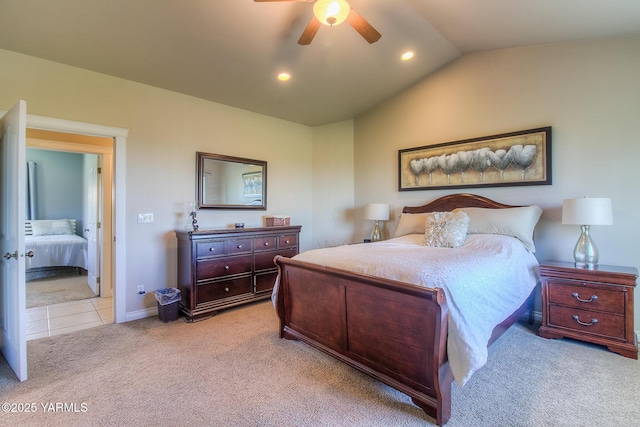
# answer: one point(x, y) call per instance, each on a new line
point(508, 159)
point(252, 184)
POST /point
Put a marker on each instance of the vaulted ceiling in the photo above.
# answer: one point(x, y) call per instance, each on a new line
point(230, 51)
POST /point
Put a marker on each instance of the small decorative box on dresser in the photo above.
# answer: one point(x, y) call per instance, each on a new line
point(593, 305)
point(223, 268)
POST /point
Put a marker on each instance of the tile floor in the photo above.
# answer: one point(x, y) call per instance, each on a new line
point(68, 317)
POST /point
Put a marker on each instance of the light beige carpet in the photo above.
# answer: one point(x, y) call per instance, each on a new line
point(233, 370)
point(58, 289)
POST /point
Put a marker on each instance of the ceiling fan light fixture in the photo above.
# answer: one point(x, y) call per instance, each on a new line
point(331, 12)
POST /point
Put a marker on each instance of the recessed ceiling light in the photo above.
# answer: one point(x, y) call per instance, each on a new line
point(283, 77)
point(407, 55)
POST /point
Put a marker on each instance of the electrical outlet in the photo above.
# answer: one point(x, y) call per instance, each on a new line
point(141, 289)
point(146, 218)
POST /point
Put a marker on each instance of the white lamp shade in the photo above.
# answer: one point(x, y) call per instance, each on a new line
point(587, 211)
point(377, 211)
point(331, 12)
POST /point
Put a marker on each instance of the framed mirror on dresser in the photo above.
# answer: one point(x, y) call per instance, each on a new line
point(226, 182)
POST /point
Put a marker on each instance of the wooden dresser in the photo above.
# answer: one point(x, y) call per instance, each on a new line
point(593, 305)
point(223, 268)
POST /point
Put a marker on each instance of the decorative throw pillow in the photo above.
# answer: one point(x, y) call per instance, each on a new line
point(50, 227)
point(445, 229)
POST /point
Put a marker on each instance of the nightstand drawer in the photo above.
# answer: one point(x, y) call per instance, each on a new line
point(591, 322)
point(575, 294)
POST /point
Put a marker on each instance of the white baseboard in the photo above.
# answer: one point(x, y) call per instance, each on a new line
point(141, 314)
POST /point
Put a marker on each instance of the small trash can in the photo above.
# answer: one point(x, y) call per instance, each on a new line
point(168, 304)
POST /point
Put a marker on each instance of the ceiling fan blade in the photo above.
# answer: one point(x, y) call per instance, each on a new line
point(309, 33)
point(361, 25)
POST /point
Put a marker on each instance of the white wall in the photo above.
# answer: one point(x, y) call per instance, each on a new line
point(165, 131)
point(588, 92)
point(59, 180)
point(333, 185)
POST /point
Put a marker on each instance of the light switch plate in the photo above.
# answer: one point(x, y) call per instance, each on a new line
point(146, 218)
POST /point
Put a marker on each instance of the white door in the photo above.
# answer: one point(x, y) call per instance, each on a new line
point(91, 220)
point(13, 338)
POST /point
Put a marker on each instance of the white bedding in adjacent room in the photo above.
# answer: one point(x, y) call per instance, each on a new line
point(68, 250)
point(484, 280)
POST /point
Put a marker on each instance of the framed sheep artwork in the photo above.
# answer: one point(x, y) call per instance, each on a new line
point(516, 158)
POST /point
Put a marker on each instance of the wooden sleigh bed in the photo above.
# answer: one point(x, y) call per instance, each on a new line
point(393, 331)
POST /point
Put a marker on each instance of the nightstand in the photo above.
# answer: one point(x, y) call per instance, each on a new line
point(593, 305)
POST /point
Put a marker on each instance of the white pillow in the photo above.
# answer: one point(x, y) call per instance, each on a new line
point(410, 224)
point(445, 229)
point(516, 222)
point(50, 227)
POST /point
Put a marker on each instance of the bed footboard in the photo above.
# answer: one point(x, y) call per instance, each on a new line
point(390, 330)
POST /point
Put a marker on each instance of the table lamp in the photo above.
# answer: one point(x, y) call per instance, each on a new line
point(585, 212)
point(376, 212)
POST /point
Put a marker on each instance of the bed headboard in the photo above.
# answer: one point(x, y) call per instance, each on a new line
point(28, 229)
point(454, 201)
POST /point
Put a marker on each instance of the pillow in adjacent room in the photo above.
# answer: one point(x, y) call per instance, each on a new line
point(50, 227)
point(516, 222)
point(445, 229)
point(410, 224)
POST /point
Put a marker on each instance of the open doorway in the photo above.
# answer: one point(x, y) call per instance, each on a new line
point(75, 185)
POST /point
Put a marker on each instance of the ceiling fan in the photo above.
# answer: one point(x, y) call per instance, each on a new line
point(333, 12)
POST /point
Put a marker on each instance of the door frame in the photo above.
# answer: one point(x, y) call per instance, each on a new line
point(118, 230)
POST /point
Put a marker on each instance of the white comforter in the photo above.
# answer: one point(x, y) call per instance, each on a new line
point(485, 280)
point(56, 251)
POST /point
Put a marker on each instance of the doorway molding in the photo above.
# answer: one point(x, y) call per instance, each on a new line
point(118, 230)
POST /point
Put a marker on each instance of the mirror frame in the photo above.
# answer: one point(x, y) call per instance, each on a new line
point(200, 159)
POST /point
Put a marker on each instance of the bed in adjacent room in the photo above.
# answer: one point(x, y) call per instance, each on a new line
point(54, 244)
point(419, 310)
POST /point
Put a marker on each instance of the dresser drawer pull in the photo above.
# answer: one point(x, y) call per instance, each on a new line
point(577, 319)
point(226, 289)
point(212, 249)
point(287, 242)
point(593, 297)
point(266, 243)
point(226, 267)
point(239, 246)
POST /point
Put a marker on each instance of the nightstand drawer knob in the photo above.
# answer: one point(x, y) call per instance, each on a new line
point(576, 296)
point(577, 319)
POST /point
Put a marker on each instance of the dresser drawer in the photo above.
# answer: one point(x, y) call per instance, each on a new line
point(572, 294)
point(238, 246)
point(218, 290)
point(591, 322)
point(288, 241)
point(209, 249)
point(266, 243)
point(264, 260)
point(214, 268)
point(265, 282)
